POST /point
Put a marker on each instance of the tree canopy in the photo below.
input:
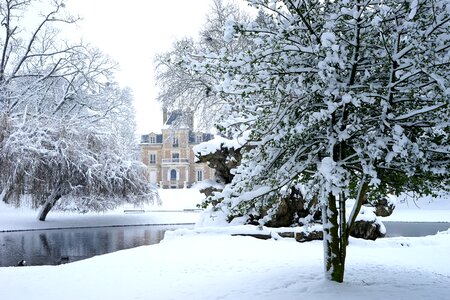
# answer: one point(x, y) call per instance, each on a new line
point(180, 87)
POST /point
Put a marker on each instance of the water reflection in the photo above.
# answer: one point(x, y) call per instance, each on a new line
point(53, 247)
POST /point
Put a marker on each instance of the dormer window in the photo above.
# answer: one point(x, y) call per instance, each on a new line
point(152, 139)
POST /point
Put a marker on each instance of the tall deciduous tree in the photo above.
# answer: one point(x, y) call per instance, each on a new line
point(179, 86)
point(66, 127)
point(348, 99)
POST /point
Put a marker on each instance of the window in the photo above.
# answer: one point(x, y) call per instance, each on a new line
point(199, 175)
point(152, 158)
point(175, 142)
point(152, 139)
point(173, 175)
point(175, 157)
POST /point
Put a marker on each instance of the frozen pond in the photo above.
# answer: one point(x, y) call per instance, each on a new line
point(54, 247)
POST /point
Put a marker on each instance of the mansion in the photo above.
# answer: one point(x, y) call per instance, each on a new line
point(169, 157)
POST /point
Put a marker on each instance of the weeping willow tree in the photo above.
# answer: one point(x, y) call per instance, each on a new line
point(65, 126)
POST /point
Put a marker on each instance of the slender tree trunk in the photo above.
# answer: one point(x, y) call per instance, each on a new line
point(6, 193)
point(336, 229)
point(334, 245)
point(362, 192)
point(48, 205)
point(332, 218)
point(336, 232)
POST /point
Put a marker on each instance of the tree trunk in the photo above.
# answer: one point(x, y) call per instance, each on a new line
point(360, 197)
point(334, 244)
point(6, 193)
point(336, 232)
point(48, 205)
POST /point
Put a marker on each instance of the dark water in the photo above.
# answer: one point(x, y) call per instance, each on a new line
point(414, 229)
point(54, 247)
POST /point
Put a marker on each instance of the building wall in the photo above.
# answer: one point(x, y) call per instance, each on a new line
point(159, 171)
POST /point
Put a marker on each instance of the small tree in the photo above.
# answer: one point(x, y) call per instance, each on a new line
point(344, 99)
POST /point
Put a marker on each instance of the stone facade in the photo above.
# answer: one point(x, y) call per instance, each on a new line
point(169, 157)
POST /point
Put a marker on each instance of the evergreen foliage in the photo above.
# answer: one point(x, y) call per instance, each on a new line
point(339, 99)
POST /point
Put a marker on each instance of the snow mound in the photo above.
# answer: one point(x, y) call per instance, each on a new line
point(216, 144)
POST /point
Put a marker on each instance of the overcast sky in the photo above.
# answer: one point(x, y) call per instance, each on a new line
point(132, 32)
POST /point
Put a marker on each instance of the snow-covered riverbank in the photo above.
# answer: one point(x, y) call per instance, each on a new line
point(217, 266)
point(208, 263)
point(426, 209)
point(179, 207)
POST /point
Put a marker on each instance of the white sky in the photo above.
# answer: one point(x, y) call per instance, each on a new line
point(132, 32)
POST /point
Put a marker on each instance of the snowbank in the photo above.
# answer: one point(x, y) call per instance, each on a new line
point(209, 183)
point(209, 263)
point(214, 266)
point(217, 143)
point(420, 209)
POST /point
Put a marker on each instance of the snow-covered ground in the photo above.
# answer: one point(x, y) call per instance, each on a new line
point(426, 209)
point(178, 207)
point(208, 263)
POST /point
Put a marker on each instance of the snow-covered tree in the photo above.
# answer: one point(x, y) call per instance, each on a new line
point(343, 100)
point(66, 127)
point(181, 87)
point(86, 168)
